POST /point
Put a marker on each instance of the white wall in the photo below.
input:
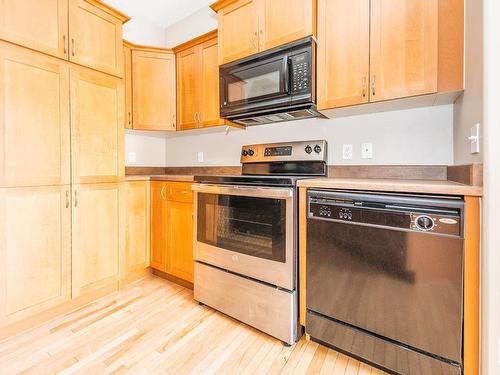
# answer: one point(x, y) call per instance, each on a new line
point(147, 148)
point(469, 107)
point(197, 24)
point(415, 136)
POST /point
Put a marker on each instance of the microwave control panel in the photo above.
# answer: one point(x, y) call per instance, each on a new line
point(301, 72)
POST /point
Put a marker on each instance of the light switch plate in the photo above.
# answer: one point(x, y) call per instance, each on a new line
point(132, 157)
point(347, 151)
point(367, 150)
point(474, 139)
point(201, 157)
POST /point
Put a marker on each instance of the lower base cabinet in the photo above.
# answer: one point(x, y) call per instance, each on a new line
point(35, 250)
point(95, 238)
point(134, 261)
point(172, 229)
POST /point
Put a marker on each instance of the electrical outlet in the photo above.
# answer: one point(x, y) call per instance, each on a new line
point(474, 139)
point(367, 150)
point(201, 157)
point(132, 157)
point(347, 151)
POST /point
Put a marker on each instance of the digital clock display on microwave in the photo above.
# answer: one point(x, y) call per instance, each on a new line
point(278, 151)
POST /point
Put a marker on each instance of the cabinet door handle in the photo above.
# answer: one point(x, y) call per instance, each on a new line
point(72, 46)
point(163, 191)
point(261, 39)
point(130, 118)
point(373, 85)
point(67, 198)
point(255, 39)
point(173, 121)
point(76, 198)
point(64, 45)
point(199, 119)
point(195, 118)
point(364, 87)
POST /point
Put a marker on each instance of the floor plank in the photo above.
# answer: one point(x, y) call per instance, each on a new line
point(155, 327)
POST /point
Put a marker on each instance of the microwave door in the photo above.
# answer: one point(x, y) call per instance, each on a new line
point(256, 85)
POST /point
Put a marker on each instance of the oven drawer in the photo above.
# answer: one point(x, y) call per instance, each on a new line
point(264, 307)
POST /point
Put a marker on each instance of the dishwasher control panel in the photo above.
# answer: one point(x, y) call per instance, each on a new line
point(413, 217)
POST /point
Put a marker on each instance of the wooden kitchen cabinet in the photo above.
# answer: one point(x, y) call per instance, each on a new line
point(379, 50)
point(41, 25)
point(403, 48)
point(97, 127)
point(172, 229)
point(136, 203)
point(153, 89)
point(250, 26)
point(96, 36)
point(34, 118)
point(198, 83)
point(95, 238)
point(35, 261)
point(343, 52)
point(188, 88)
point(283, 21)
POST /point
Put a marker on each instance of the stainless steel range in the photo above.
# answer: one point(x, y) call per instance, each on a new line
point(245, 237)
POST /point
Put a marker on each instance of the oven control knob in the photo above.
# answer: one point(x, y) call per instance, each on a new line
point(308, 149)
point(250, 152)
point(425, 223)
point(244, 153)
point(317, 149)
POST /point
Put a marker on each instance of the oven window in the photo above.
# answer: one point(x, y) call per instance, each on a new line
point(256, 82)
point(247, 225)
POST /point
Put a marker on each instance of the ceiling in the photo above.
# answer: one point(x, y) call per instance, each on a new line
point(162, 13)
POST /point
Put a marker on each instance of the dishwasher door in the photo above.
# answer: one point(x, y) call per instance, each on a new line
point(371, 268)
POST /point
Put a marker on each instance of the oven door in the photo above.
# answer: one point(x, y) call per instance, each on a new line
point(260, 84)
point(246, 230)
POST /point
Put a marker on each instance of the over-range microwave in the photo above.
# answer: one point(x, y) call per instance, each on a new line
point(273, 86)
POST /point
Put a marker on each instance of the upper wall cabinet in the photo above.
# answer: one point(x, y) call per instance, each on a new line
point(41, 25)
point(378, 50)
point(153, 89)
point(250, 26)
point(96, 37)
point(87, 32)
point(198, 83)
point(34, 118)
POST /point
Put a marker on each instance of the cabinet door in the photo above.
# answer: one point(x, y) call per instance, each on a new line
point(137, 232)
point(180, 236)
point(41, 25)
point(188, 88)
point(343, 52)
point(283, 21)
point(404, 44)
point(158, 225)
point(96, 38)
point(238, 30)
point(209, 101)
point(34, 118)
point(97, 127)
point(153, 81)
point(35, 238)
point(127, 75)
point(94, 238)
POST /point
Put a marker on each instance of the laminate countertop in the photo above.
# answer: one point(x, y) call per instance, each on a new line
point(393, 185)
point(166, 177)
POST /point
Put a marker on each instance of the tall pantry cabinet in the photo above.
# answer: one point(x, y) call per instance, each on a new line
point(61, 162)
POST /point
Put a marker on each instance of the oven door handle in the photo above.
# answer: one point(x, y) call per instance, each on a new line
point(258, 192)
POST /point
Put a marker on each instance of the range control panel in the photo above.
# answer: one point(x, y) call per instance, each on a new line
point(314, 150)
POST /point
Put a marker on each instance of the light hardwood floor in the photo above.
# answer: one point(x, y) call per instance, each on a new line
point(155, 327)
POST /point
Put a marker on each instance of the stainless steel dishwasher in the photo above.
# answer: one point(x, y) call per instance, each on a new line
point(385, 278)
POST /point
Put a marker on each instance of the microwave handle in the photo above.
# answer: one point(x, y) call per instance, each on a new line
point(288, 75)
